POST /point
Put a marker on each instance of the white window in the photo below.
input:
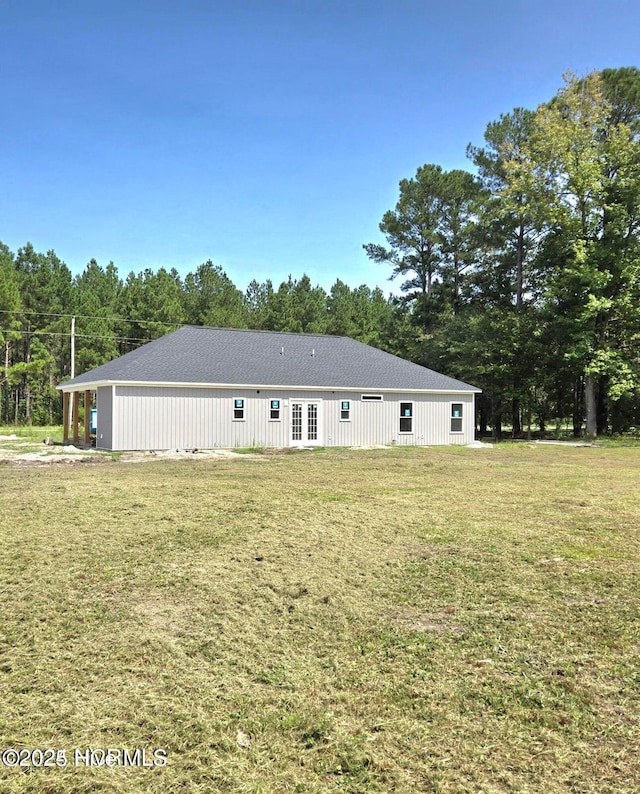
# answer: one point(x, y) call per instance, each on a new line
point(238, 410)
point(345, 411)
point(274, 411)
point(406, 417)
point(456, 417)
point(371, 398)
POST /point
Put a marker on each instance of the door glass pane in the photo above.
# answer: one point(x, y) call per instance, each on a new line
point(312, 422)
point(296, 422)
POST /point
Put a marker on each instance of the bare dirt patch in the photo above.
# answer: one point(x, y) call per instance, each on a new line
point(439, 622)
point(14, 451)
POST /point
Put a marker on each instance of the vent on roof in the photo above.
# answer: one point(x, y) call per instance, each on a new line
point(313, 352)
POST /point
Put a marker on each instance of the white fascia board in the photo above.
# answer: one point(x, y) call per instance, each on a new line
point(89, 386)
point(167, 385)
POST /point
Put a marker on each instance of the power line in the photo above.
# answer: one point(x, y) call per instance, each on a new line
point(93, 317)
point(82, 336)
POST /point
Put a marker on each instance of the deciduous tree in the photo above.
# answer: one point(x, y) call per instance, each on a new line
point(584, 167)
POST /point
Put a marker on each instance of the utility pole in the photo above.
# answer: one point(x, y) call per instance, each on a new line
point(6, 381)
point(73, 372)
point(73, 347)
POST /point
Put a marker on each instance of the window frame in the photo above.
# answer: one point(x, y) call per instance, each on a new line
point(457, 419)
point(371, 398)
point(404, 417)
point(277, 410)
point(344, 410)
point(239, 409)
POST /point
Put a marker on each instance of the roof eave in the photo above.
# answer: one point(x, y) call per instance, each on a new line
point(92, 385)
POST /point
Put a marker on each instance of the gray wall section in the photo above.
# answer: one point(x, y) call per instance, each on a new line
point(104, 404)
point(188, 418)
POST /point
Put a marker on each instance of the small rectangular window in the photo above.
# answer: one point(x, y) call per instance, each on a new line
point(274, 410)
point(238, 409)
point(345, 411)
point(406, 417)
point(372, 398)
point(456, 417)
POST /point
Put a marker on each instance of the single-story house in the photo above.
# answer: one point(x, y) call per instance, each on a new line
point(219, 387)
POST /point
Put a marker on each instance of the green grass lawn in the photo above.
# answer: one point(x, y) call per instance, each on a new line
point(436, 620)
point(28, 438)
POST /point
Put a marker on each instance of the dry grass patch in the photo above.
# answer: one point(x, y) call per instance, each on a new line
point(442, 620)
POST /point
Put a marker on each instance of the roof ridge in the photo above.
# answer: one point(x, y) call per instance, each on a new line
point(265, 331)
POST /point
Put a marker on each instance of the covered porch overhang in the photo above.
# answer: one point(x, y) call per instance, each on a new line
point(71, 414)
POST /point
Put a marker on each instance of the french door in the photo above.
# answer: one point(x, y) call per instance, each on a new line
point(305, 423)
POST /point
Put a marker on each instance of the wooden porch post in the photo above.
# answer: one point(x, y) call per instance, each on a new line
point(65, 415)
point(87, 417)
point(76, 405)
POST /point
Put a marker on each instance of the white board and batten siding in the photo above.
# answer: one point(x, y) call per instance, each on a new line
point(181, 417)
point(104, 430)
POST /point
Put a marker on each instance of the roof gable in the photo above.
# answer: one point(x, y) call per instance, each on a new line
point(196, 354)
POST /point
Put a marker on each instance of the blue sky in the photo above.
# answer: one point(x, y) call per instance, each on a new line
point(271, 136)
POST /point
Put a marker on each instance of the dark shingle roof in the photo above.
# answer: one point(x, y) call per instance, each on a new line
point(195, 354)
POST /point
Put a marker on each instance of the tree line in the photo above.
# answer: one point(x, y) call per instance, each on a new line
point(39, 296)
point(522, 278)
